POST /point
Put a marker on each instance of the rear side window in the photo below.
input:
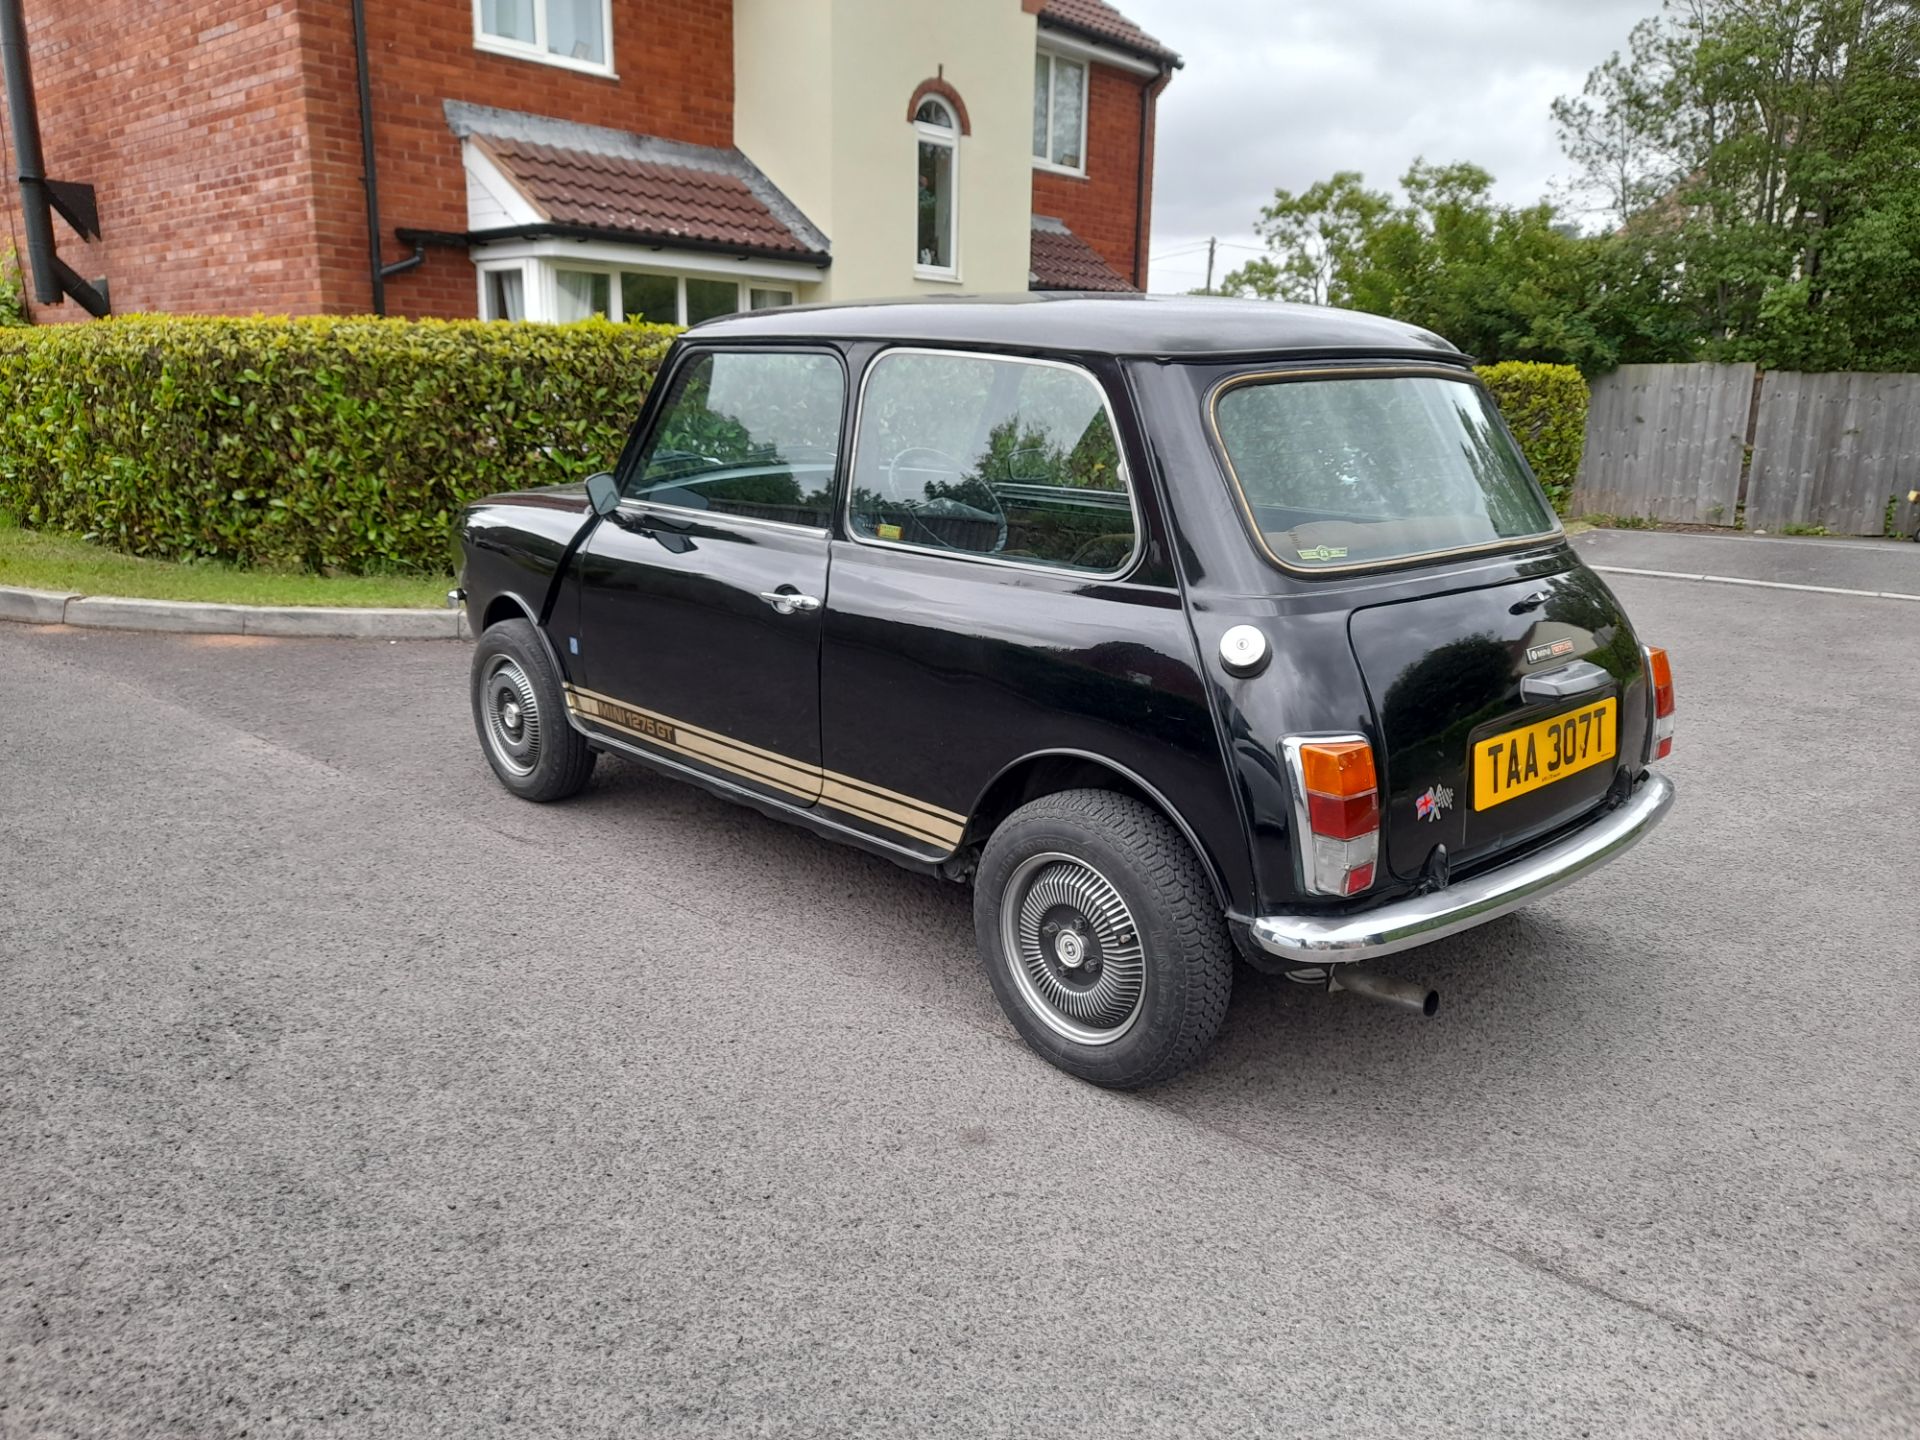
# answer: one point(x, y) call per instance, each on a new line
point(1011, 460)
point(753, 434)
point(1362, 470)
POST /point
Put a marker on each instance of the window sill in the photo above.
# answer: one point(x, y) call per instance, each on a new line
point(1067, 172)
point(938, 277)
point(490, 46)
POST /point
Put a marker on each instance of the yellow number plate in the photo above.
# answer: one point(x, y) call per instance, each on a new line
point(1535, 755)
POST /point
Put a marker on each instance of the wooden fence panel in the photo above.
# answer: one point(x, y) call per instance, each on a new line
point(1666, 442)
point(1831, 450)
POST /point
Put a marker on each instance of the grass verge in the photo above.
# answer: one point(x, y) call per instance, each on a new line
point(61, 562)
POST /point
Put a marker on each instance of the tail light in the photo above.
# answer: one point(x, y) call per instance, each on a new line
point(1337, 812)
point(1660, 678)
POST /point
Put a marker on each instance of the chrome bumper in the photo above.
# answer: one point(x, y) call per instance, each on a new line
point(1330, 939)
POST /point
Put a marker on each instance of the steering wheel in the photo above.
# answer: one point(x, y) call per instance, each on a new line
point(941, 461)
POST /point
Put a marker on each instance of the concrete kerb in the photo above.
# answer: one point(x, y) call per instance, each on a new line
point(34, 607)
point(110, 612)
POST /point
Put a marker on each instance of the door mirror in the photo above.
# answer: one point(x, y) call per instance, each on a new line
point(603, 494)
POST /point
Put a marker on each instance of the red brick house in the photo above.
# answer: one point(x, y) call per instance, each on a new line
point(552, 158)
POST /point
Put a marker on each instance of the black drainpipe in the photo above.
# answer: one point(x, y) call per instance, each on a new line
point(1149, 96)
point(369, 172)
point(53, 280)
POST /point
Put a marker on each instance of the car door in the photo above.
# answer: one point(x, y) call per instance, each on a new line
point(701, 598)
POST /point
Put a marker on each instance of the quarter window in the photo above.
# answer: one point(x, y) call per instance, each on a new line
point(938, 185)
point(1059, 112)
point(561, 32)
point(1015, 460)
point(748, 434)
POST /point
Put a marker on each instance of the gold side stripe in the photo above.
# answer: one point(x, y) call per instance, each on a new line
point(895, 817)
point(903, 813)
point(926, 809)
point(851, 781)
point(713, 735)
point(802, 783)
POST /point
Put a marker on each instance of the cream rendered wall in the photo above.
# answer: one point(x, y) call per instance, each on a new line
point(783, 106)
point(820, 104)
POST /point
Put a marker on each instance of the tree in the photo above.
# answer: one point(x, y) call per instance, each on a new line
point(1772, 148)
point(1757, 164)
point(1313, 236)
point(1502, 282)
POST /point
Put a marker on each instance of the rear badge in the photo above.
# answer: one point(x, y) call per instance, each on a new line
point(1429, 805)
point(1323, 552)
point(1537, 653)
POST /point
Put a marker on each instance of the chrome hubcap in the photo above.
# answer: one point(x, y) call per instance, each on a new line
point(1072, 948)
point(512, 716)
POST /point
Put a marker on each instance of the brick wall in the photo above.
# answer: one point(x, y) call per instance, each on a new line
point(1100, 208)
point(223, 137)
point(186, 119)
point(674, 59)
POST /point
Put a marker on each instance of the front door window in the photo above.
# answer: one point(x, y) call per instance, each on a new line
point(750, 434)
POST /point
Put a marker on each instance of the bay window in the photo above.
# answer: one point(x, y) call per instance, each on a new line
point(563, 290)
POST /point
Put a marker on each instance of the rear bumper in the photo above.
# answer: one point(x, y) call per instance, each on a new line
point(1331, 939)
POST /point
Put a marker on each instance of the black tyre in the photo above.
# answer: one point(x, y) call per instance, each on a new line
point(521, 716)
point(1102, 937)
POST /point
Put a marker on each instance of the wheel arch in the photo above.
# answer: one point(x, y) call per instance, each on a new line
point(507, 606)
point(1046, 772)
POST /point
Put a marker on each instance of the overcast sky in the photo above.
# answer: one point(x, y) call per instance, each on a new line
point(1281, 93)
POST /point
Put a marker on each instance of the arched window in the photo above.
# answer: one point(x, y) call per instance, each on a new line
point(938, 182)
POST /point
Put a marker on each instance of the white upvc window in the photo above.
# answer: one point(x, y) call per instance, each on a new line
point(563, 291)
point(1059, 113)
point(577, 34)
point(503, 292)
point(937, 192)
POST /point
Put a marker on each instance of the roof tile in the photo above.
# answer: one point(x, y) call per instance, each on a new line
point(1061, 260)
point(641, 197)
point(1096, 17)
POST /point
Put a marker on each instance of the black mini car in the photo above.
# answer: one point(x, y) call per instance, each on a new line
point(1181, 628)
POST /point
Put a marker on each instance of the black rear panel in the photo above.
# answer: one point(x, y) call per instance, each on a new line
point(1445, 673)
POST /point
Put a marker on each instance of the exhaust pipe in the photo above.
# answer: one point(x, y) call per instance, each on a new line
point(1407, 994)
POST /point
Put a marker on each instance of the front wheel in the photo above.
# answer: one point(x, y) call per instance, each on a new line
point(521, 716)
point(1102, 937)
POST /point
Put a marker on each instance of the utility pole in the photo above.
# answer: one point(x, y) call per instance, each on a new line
point(1211, 239)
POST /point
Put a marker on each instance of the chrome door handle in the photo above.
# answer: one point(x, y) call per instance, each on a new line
point(789, 602)
point(1576, 678)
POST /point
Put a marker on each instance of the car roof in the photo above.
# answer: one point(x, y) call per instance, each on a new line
point(1197, 327)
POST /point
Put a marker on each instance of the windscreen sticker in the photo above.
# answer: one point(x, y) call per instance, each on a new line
point(1324, 552)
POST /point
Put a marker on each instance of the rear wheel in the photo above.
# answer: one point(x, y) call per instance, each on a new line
point(1102, 937)
point(521, 718)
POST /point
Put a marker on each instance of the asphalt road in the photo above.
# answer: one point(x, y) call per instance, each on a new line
point(344, 1094)
point(1882, 565)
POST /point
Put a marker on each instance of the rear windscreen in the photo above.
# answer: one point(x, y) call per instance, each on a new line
point(1365, 469)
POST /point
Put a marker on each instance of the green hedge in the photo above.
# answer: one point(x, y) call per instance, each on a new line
point(350, 444)
point(333, 444)
point(1546, 407)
